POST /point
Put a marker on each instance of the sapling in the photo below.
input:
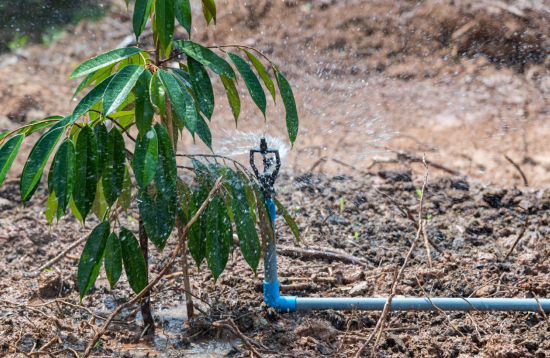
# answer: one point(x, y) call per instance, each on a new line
point(120, 143)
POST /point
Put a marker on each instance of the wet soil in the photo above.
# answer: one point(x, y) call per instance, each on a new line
point(474, 225)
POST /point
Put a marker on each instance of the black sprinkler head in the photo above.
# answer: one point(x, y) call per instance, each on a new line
point(267, 178)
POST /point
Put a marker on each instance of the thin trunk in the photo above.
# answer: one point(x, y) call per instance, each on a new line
point(185, 269)
point(146, 313)
point(183, 251)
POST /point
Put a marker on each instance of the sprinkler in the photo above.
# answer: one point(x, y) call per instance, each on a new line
point(267, 179)
point(273, 298)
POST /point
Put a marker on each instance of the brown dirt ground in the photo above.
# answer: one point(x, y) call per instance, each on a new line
point(464, 82)
point(474, 225)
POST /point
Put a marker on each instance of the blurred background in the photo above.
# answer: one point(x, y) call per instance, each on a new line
point(40, 21)
point(378, 83)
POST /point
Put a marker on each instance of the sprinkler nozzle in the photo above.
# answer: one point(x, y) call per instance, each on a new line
point(267, 178)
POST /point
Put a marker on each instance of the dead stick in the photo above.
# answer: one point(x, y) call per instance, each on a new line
point(437, 308)
point(381, 321)
point(426, 243)
point(233, 328)
point(63, 254)
point(521, 233)
point(525, 182)
point(409, 215)
point(348, 165)
point(297, 252)
point(163, 272)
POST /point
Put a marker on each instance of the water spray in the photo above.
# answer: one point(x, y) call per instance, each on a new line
point(273, 298)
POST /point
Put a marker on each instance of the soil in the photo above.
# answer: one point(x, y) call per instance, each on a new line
point(474, 226)
point(378, 84)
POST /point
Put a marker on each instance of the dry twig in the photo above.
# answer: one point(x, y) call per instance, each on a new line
point(521, 233)
point(437, 308)
point(232, 327)
point(380, 324)
point(63, 254)
point(525, 182)
point(324, 254)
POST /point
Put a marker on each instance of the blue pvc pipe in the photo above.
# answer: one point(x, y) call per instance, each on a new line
point(273, 298)
point(423, 304)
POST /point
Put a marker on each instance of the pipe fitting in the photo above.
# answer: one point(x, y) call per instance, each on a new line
point(273, 298)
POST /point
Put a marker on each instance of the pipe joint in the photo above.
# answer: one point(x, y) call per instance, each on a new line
point(273, 298)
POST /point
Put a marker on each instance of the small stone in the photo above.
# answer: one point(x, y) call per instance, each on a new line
point(359, 289)
point(318, 329)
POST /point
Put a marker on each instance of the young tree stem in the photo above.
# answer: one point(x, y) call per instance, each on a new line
point(146, 313)
point(155, 280)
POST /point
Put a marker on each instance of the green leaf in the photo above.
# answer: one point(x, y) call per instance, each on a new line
point(202, 171)
point(134, 263)
point(8, 152)
point(219, 236)
point(204, 132)
point(164, 19)
point(104, 60)
point(196, 239)
point(290, 107)
point(185, 196)
point(202, 87)
point(289, 220)
point(183, 14)
point(32, 172)
point(113, 259)
point(51, 207)
point(120, 86)
point(210, 5)
point(158, 217)
point(206, 57)
point(113, 176)
point(34, 126)
point(245, 226)
point(144, 110)
point(126, 195)
point(207, 15)
point(146, 158)
point(252, 83)
point(232, 97)
point(86, 171)
point(141, 13)
point(75, 212)
point(100, 207)
point(90, 99)
point(92, 257)
point(263, 74)
point(249, 192)
point(63, 169)
point(167, 172)
point(103, 148)
point(156, 94)
point(181, 100)
point(97, 76)
point(182, 76)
